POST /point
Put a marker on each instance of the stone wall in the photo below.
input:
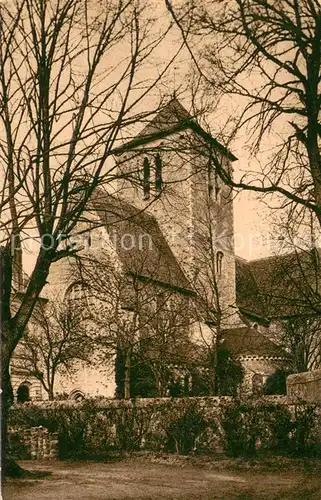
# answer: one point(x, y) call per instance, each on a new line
point(35, 443)
point(306, 386)
point(91, 429)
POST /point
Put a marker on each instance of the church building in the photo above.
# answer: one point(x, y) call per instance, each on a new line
point(156, 263)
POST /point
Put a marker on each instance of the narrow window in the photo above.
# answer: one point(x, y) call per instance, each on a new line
point(158, 174)
point(219, 261)
point(88, 240)
point(146, 178)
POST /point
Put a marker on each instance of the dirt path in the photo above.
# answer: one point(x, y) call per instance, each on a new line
point(135, 479)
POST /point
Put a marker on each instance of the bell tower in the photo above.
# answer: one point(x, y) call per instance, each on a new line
point(167, 170)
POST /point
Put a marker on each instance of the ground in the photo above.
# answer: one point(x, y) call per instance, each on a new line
point(170, 478)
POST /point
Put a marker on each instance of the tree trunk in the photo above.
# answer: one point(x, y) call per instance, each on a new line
point(11, 329)
point(6, 402)
point(127, 369)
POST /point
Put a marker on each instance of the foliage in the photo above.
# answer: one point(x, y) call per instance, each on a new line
point(253, 427)
point(200, 383)
point(142, 379)
point(276, 383)
point(303, 436)
point(17, 448)
point(92, 429)
point(185, 429)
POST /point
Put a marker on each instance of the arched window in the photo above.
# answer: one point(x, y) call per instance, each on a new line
point(88, 240)
point(158, 173)
point(146, 182)
point(23, 393)
point(77, 395)
point(219, 262)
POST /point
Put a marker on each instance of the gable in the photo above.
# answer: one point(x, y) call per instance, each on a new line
point(170, 119)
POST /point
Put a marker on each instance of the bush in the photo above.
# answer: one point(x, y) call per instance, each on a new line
point(132, 424)
point(185, 430)
point(303, 436)
point(240, 432)
point(17, 449)
point(276, 383)
point(253, 427)
point(84, 431)
point(91, 429)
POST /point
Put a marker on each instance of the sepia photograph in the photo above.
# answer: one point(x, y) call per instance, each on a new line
point(160, 249)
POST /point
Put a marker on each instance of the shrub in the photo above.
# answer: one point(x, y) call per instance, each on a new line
point(276, 383)
point(83, 430)
point(91, 429)
point(239, 430)
point(132, 424)
point(17, 449)
point(251, 426)
point(185, 429)
point(303, 437)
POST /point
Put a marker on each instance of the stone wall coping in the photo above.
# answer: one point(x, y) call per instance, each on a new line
point(302, 378)
point(209, 401)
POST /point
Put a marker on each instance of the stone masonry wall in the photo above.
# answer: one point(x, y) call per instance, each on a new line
point(35, 443)
point(306, 386)
point(95, 427)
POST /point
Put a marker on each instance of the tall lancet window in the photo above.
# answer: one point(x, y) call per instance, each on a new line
point(146, 182)
point(158, 173)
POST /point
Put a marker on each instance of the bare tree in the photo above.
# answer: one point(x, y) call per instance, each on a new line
point(134, 317)
point(166, 342)
point(71, 81)
point(55, 342)
point(265, 55)
point(290, 294)
point(213, 248)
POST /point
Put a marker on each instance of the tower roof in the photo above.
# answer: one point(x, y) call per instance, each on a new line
point(173, 117)
point(170, 117)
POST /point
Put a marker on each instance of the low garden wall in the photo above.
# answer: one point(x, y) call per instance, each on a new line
point(35, 443)
point(92, 429)
point(305, 386)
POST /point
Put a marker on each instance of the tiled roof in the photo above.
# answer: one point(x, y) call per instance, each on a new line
point(244, 341)
point(279, 286)
point(139, 242)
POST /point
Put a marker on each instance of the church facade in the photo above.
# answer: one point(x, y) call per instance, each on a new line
point(157, 261)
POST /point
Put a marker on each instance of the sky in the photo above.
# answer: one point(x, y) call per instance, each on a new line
point(250, 215)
